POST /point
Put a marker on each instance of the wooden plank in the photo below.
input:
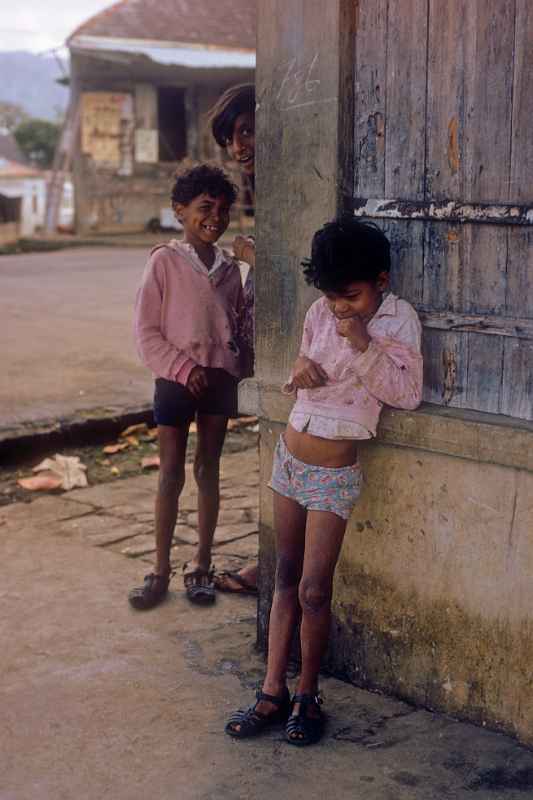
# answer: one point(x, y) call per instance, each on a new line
point(443, 267)
point(517, 384)
point(485, 265)
point(406, 99)
point(490, 324)
point(521, 173)
point(407, 248)
point(488, 78)
point(484, 372)
point(445, 367)
point(370, 98)
point(447, 60)
point(519, 295)
point(465, 268)
point(445, 210)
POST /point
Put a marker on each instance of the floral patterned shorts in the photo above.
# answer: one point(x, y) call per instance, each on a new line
point(334, 489)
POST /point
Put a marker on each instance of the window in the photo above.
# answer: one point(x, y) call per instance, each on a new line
point(172, 123)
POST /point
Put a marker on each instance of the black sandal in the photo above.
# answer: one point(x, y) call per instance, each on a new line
point(151, 593)
point(301, 729)
point(199, 586)
point(252, 722)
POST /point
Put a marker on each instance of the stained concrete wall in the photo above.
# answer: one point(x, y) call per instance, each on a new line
point(434, 589)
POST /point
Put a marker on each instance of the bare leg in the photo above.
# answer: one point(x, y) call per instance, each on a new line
point(289, 523)
point(211, 434)
point(172, 447)
point(323, 540)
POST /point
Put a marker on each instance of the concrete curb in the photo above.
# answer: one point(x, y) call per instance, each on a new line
point(88, 427)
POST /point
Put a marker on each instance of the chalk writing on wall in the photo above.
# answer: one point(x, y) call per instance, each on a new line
point(300, 84)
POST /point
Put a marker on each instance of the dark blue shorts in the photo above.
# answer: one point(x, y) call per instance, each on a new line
point(175, 405)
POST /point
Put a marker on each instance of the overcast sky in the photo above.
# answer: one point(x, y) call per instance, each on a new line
point(40, 25)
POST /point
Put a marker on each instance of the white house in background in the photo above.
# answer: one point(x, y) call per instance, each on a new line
point(28, 185)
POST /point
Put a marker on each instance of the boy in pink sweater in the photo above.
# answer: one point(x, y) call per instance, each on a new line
point(188, 322)
point(360, 350)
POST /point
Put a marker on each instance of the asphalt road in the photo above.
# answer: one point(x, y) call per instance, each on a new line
point(66, 334)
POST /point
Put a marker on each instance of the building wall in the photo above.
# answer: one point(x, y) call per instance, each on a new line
point(32, 192)
point(433, 593)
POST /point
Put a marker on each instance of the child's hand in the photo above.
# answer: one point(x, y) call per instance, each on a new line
point(307, 374)
point(354, 329)
point(244, 250)
point(197, 381)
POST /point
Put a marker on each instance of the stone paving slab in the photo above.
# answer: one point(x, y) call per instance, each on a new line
point(244, 548)
point(52, 508)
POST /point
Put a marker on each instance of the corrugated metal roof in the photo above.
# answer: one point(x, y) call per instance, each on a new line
point(227, 23)
point(169, 53)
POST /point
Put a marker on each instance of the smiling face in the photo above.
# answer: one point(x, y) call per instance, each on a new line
point(241, 145)
point(204, 219)
point(358, 298)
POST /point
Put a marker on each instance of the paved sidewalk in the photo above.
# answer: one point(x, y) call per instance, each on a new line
point(100, 702)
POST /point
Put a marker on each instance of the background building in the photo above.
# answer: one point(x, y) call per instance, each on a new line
point(22, 200)
point(143, 74)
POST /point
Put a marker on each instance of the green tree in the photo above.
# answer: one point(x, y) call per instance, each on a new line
point(11, 115)
point(37, 138)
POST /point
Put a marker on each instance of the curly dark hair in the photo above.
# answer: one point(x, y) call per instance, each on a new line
point(234, 102)
point(203, 179)
point(346, 250)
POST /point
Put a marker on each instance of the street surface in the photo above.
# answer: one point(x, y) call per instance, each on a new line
point(66, 334)
point(100, 702)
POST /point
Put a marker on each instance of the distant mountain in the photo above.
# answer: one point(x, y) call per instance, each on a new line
point(29, 80)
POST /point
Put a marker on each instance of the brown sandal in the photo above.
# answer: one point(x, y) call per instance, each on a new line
point(223, 581)
point(199, 586)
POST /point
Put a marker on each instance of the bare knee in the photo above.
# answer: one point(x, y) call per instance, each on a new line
point(288, 573)
point(171, 479)
point(314, 595)
point(206, 472)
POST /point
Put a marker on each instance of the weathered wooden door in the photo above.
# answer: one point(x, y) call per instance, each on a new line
point(444, 162)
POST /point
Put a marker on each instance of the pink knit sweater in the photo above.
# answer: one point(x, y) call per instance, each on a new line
point(187, 315)
point(388, 372)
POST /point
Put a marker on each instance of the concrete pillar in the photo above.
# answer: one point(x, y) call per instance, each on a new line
point(304, 169)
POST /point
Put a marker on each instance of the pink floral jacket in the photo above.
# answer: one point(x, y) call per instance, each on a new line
point(360, 384)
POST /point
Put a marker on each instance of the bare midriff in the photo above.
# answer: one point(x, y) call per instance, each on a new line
point(320, 452)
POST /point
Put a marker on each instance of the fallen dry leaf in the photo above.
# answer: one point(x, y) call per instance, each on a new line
point(150, 462)
point(133, 441)
point(110, 449)
point(40, 483)
point(69, 470)
point(142, 427)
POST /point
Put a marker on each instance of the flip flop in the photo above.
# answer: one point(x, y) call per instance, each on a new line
point(221, 583)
